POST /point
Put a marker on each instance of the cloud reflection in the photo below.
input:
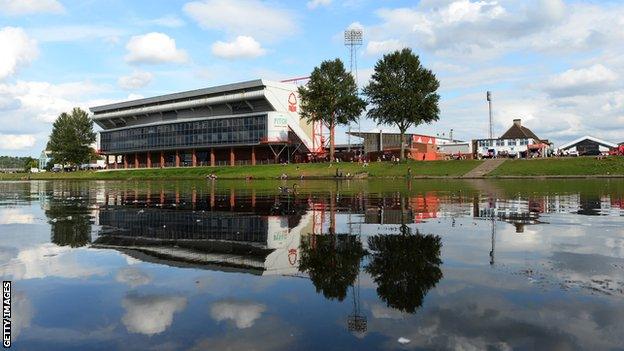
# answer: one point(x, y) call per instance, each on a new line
point(150, 314)
point(242, 313)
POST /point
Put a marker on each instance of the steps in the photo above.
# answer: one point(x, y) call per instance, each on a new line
point(484, 168)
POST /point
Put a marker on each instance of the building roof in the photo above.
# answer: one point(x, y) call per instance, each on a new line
point(255, 84)
point(587, 137)
point(517, 131)
point(394, 132)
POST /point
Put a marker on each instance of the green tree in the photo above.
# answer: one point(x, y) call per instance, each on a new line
point(330, 96)
point(71, 138)
point(402, 93)
point(29, 163)
point(405, 267)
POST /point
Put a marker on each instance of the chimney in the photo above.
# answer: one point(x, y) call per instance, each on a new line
point(517, 122)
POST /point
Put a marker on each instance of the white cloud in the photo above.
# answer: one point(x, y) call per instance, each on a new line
point(15, 215)
point(16, 141)
point(583, 81)
point(17, 50)
point(485, 29)
point(312, 4)
point(25, 7)
point(43, 101)
point(151, 314)
point(154, 48)
point(132, 276)
point(383, 47)
point(171, 21)
point(21, 314)
point(78, 32)
point(136, 80)
point(242, 47)
point(49, 260)
point(243, 17)
point(242, 313)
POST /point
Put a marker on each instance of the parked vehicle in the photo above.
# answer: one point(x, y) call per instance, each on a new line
point(617, 151)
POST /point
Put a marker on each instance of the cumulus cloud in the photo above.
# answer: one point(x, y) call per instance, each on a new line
point(26, 7)
point(136, 80)
point(383, 47)
point(132, 276)
point(16, 141)
point(483, 29)
point(21, 314)
point(150, 314)
point(242, 47)
point(242, 313)
point(152, 48)
point(243, 17)
point(49, 260)
point(312, 4)
point(17, 50)
point(582, 81)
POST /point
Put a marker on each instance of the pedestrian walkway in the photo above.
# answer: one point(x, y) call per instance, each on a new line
point(484, 168)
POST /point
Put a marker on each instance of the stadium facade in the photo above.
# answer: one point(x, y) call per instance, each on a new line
point(250, 122)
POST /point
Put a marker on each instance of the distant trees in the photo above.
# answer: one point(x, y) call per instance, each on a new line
point(402, 93)
point(30, 163)
point(331, 97)
point(71, 138)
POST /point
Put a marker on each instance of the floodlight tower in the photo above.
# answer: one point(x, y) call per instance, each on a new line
point(353, 39)
point(489, 100)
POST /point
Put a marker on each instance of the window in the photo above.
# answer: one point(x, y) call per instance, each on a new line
point(188, 134)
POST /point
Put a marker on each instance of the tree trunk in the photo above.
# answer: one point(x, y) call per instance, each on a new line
point(332, 134)
point(402, 156)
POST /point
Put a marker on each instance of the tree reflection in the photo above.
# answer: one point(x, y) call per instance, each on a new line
point(332, 262)
point(405, 267)
point(70, 222)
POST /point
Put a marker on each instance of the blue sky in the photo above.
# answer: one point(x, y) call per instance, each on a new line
point(557, 65)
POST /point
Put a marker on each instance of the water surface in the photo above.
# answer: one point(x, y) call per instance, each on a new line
point(520, 264)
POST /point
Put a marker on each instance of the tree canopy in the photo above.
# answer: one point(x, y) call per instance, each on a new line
point(330, 96)
point(402, 93)
point(71, 138)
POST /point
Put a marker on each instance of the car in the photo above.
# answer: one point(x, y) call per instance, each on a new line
point(573, 153)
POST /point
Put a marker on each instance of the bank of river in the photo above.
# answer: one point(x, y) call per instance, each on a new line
point(552, 167)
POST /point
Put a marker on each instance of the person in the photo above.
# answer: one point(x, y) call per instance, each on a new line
point(409, 172)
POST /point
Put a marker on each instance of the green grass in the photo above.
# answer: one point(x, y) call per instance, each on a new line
point(570, 166)
point(375, 169)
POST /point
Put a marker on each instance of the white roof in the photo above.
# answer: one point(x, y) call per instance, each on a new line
point(587, 137)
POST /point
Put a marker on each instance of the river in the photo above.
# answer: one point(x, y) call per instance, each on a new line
point(268, 265)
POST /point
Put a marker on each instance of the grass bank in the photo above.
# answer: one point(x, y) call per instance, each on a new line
point(569, 166)
point(309, 170)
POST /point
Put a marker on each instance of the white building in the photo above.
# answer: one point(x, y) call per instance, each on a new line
point(518, 141)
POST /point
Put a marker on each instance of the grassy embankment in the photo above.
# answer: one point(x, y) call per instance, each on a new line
point(564, 167)
point(552, 167)
point(309, 170)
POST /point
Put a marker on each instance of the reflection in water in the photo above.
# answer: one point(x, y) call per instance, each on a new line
point(405, 267)
point(557, 251)
point(70, 222)
point(332, 261)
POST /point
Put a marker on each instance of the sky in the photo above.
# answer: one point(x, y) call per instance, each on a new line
point(557, 65)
